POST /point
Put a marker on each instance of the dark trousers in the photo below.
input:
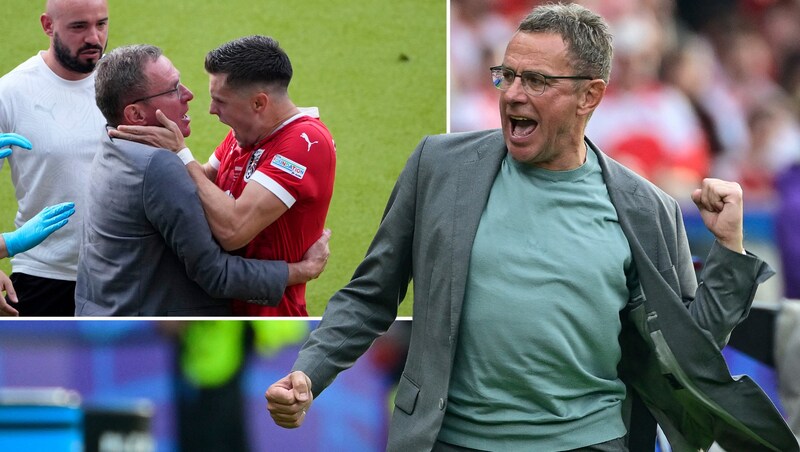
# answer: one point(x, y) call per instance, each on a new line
point(43, 297)
point(211, 419)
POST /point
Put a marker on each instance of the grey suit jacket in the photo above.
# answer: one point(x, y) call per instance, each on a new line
point(146, 246)
point(672, 331)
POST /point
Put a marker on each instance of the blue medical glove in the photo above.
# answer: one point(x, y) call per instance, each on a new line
point(12, 139)
point(38, 228)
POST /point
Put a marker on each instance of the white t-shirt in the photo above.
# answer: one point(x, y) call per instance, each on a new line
point(63, 123)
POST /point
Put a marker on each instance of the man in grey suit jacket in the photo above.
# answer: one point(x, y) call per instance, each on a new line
point(147, 248)
point(552, 286)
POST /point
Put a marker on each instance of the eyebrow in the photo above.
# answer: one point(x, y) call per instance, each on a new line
point(86, 22)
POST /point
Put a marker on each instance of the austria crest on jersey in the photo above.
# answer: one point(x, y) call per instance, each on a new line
point(252, 164)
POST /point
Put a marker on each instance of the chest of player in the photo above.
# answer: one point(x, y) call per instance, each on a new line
point(240, 164)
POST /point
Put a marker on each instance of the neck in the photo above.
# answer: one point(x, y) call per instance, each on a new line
point(281, 114)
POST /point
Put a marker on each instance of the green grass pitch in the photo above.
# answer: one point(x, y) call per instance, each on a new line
point(376, 69)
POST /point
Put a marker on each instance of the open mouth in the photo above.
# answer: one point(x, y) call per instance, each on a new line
point(522, 127)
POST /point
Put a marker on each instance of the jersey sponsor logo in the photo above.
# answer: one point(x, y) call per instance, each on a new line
point(282, 163)
point(252, 164)
point(308, 140)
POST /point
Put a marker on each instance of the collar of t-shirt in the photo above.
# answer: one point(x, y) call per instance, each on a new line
point(312, 112)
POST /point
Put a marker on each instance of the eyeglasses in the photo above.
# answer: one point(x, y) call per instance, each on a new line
point(177, 89)
point(533, 83)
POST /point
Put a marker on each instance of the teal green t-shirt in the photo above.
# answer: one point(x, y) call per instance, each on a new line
point(537, 353)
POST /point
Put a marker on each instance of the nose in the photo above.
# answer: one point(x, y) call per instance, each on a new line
point(94, 36)
point(515, 92)
point(186, 93)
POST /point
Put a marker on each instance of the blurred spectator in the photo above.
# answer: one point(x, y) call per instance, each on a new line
point(787, 226)
point(775, 145)
point(790, 77)
point(750, 63)
point(694, 68)
point(780, 26)
point(210, 361)
point(649, 126)
point(481, 36)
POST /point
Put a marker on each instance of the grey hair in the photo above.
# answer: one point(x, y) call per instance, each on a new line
point(585, 33)
point(120, 78)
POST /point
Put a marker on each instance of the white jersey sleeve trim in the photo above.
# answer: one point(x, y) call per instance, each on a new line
point(273, 186)
point(214, 162)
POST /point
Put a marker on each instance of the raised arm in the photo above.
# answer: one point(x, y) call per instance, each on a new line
point(730, 275)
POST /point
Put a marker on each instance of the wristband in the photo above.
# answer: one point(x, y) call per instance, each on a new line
point(186, 156)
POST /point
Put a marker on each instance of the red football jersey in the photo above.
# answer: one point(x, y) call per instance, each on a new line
point(297, 163)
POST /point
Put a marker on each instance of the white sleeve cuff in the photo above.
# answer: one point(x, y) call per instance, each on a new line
point(186, 156)
point(214, 162)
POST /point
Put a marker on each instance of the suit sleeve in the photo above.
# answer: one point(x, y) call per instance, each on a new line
point(726, 288)
point(364, 309)
point(173, 207)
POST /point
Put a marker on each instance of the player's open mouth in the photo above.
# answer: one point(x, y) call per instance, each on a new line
point(522, 127)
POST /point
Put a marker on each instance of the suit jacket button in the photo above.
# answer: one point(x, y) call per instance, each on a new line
point(441, 404)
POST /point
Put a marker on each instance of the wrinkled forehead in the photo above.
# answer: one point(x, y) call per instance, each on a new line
point(536, 51)
point(161, 72)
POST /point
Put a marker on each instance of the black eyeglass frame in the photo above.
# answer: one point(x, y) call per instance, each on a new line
point(502, 68)
point(173, 90)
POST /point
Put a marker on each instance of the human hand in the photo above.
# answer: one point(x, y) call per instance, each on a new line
point(289, 398)
point(313, 263)
point(12, 139)
point(38, 228)
point(721, 207)
point(167, 137)
point(5, 286)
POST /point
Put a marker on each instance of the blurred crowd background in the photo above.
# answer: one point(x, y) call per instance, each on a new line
point(169, 386)
point(698, 89)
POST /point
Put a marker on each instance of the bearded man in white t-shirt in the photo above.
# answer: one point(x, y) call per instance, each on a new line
point(50, 100)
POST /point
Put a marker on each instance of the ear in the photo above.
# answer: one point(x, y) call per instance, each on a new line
point(591, 96)
point(47, 24)
point(134, 115)
point(260, 101)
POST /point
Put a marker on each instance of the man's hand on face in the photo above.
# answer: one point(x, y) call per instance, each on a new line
point(167, 137)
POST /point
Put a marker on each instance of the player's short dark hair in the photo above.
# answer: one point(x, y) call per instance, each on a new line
point(251, 60)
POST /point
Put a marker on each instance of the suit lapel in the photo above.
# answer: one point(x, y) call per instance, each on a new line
point(475, 179)
point(635, 212)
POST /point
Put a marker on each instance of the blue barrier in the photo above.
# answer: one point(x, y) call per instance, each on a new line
point(40, 420)
point(759, 225)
